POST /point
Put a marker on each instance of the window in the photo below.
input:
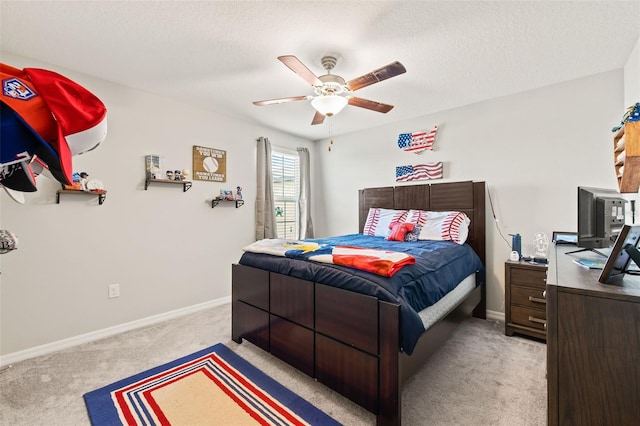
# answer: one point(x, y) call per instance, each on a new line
point(286, 181)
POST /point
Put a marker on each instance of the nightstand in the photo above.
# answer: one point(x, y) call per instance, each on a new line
point(525, 304)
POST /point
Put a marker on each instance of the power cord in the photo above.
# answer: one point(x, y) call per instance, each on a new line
point(495, 219)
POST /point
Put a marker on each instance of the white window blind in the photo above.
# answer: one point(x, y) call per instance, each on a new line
point(286, 181)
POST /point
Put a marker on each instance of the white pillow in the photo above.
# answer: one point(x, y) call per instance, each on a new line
point(378, 221)
point(445, 226)
point(417, 217)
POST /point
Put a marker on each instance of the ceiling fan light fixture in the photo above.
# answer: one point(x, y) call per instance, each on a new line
point(329, 104)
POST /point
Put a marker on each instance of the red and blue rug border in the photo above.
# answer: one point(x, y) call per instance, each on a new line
point(102, 410)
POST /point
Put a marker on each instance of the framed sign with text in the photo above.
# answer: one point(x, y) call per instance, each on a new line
point(209, 164)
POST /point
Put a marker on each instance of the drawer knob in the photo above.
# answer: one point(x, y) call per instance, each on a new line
point(544, 294)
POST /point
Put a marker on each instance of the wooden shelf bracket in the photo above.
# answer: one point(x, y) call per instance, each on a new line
point(217, 201)
point(101, 195)
point(186, 184)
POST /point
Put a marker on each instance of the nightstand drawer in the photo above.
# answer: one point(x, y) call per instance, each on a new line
point(533, 318)
point(525, 309)
point(528, 297)
point(529, 277)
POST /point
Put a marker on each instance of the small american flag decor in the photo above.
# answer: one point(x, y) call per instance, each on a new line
point(419, 172)
point(418, 141)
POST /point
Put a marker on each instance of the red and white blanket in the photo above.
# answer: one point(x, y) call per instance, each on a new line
point(380, 262)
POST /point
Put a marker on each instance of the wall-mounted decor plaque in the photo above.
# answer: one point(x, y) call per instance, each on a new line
point(209, 164)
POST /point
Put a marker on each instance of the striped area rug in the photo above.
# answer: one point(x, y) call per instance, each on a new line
point(211, 387)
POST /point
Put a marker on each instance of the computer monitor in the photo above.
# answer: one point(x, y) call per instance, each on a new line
point(601, 216)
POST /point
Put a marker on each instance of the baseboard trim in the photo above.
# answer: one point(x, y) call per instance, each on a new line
point(495, 316)
point(121, 328)
point(106, 332)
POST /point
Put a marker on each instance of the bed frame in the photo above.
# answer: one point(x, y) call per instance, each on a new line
point(349, 341)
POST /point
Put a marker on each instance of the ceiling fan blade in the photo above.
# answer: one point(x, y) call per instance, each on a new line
point(317, 119)
point(299, 68)
point(282, 100)
point(372, 105)
point(391, 70)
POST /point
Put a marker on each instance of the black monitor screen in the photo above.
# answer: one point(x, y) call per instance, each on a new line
point(600, 216)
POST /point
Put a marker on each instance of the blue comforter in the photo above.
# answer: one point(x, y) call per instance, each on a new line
point(440, 266)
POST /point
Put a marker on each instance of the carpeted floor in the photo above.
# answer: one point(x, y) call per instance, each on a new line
point(479, 377)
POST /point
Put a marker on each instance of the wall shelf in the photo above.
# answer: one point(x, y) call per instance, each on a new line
point(102, 195)
point(186, 184)
point(626, 157)
point(217, 201)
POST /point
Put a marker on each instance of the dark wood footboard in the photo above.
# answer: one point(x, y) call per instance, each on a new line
point(328, 333)
point(348, 341)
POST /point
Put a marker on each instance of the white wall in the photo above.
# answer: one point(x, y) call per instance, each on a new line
point(532, 149)
point(166, 248)
point(170, 250)
point(632, 77)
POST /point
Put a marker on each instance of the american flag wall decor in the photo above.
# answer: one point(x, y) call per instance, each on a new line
point(419, 172)
point(418, 141)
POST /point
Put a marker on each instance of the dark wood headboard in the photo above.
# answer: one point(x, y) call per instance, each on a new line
point(467, 197)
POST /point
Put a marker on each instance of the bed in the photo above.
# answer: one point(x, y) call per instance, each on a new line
point(352, 342)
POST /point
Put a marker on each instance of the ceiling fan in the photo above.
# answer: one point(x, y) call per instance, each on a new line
point(332, 92)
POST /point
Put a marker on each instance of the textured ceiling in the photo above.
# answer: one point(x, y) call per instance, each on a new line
point(222, 55)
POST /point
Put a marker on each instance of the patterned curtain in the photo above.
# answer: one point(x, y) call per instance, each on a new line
point(304, 201)
point(265, 217)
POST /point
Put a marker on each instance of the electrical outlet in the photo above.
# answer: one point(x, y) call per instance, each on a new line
point(114, 290)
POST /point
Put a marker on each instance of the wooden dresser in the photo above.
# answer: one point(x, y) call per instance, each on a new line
point(593, 345)
point(525, 306)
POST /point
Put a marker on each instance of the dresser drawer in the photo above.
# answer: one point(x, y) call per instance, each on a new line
point(529, 277)
point(532, 318)
point(528, 297)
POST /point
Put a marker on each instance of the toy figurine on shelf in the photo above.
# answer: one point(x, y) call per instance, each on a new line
point(79, 182)
point(83, 181)
point(75, 185)
point(238, 193)
point(154, 172)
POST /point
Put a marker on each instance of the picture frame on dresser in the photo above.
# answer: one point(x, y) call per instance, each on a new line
point(623, 253)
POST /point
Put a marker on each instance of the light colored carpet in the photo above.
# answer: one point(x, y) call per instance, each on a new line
point(479, 377)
